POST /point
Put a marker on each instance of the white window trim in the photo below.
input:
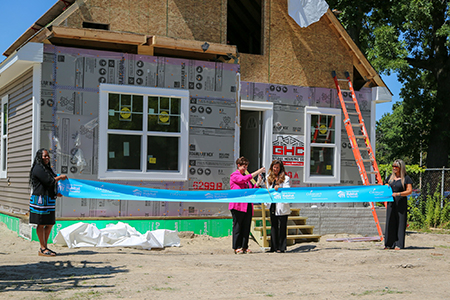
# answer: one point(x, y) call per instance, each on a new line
point(4, 141)
point(267, 115)
point(180, 175)
point(336, 178)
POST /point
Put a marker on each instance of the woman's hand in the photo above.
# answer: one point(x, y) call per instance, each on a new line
point(276, 187)
point(258, 183)
point(61, 177)
point(257, 172)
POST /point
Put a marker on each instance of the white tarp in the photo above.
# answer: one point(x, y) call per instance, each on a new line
point(115, 235)
point(306, 12)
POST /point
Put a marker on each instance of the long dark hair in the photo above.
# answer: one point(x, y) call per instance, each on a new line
point(281, 174)
point(38, 161)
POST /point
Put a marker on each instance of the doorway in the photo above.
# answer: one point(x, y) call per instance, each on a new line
point(255, 136)
point(251, 137)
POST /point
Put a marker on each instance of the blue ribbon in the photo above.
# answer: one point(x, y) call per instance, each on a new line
point(77, 188)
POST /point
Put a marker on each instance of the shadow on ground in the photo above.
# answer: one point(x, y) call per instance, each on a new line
point(55, 276)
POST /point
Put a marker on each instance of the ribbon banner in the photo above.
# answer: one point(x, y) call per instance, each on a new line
point(77, 188)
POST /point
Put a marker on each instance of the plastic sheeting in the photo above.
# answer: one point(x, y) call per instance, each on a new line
point(306, 12)
point(115, 235)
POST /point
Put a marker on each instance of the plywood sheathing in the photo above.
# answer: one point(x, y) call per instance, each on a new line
point(203, 20)
point(295, 55)
point(223, 22)
point(195, 20)
point(255, 68)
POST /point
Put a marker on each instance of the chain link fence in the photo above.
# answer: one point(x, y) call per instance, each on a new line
point(436, 180)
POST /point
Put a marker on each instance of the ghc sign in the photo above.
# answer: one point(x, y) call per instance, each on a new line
point(286, 150)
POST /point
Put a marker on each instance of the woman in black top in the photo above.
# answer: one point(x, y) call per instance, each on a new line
point(396, 215)
point(42, 201)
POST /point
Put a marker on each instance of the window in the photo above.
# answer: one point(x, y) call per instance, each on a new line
point(4, 137)
point(322, 145)
point(244, 25)
point(143, 133)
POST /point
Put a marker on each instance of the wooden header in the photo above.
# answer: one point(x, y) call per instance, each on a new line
point(92, 35)
point(190, 45)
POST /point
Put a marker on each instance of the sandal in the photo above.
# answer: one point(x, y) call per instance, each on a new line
point(247, 250)
point(239, 251)
point(53, 252)
point(46, 252)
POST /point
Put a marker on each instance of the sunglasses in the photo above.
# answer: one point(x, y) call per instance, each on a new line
point(395, 166)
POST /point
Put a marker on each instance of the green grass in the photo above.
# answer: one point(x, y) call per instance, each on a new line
point(380, 292)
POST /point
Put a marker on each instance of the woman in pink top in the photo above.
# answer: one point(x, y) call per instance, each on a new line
point(242, 212)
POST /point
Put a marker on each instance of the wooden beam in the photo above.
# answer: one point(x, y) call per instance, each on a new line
point(146, 50)
point(98, 35)
point(190, 45)
point(359, 60)
point(42, 36)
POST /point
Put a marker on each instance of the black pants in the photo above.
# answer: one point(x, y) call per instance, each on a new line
point(241, 227)
point(278, 231)
point(396, 218)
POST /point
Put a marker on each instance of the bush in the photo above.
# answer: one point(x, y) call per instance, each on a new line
point(426, 212)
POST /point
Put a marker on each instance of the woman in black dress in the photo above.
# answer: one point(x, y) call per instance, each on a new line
point(396, 215)
point(42, 202)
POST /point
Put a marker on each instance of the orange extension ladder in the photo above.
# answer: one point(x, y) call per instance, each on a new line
point(352, 137)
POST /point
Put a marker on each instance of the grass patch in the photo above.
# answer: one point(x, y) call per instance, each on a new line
point(381, 292)
point(155, 288)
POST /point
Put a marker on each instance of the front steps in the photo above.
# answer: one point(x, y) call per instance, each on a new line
point(298, 231)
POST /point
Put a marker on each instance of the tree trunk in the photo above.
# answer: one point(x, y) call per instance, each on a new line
point(439, 135)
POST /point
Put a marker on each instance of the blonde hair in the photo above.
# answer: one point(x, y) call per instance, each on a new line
point(281, 175)
point(401, 165)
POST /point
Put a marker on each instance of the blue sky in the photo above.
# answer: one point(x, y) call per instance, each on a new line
point(16, 20)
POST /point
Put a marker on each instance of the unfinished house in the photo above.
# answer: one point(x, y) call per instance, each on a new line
point(169, 93)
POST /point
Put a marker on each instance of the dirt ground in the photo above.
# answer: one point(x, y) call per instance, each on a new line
point(206, 268)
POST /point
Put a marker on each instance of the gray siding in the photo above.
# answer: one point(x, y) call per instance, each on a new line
point(15, 197)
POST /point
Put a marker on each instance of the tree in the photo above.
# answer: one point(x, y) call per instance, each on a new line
point(393, 137)
point(410, 37)
point(389, 141)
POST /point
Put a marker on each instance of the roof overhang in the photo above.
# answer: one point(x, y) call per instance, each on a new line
point(20, 61)
point(50, 16)
point(360, 62)
point(381, 94)
point(133, 43)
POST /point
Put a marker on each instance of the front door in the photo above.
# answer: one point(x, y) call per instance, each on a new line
point(251, 138)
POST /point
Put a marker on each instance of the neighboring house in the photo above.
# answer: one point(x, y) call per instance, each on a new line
point(167, 94)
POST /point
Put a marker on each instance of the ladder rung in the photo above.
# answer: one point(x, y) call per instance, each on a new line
point(349, 102)
point(363, 148)
point(353, 113)
point(357, 125)
point(368, 159)
point(372, 172)
point(360, 136)
point(342, 79)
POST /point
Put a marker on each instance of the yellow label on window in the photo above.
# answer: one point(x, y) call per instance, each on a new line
point(328, 167)
point(125, 113)
point(152, 160)
point(323, 129)
point(164, 117)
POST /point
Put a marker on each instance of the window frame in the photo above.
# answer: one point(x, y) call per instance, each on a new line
point(143, 174)
point(336, 177)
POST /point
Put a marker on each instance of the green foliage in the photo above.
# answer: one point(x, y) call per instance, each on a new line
point(425, 213)
point(386, 169)
point(412, 39)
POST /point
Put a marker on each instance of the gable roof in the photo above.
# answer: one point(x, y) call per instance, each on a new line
point(48, 26)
